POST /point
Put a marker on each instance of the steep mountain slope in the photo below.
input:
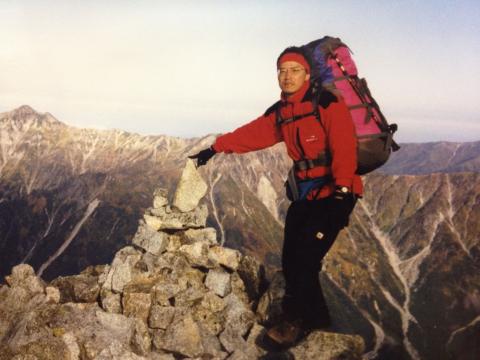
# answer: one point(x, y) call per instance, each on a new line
point(427, 158)
point(50, 173)
point(404, 274)
point(429, 228)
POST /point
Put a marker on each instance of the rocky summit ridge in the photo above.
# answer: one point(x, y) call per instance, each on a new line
point(173, 293)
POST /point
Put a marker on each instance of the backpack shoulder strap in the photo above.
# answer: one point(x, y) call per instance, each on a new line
point(322, 97)
point(272, 108)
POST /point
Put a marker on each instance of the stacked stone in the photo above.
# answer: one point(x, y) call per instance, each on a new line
point(189, 293)
point(175, 293)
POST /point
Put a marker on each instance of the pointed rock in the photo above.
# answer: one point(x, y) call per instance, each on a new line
point(190, 190)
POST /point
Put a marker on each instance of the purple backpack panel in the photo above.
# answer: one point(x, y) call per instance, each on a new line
point(334, 69)
point(366, 121)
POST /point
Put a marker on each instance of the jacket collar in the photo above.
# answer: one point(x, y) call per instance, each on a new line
point(299, 96)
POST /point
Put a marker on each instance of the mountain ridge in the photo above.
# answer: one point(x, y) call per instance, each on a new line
point(381, 267)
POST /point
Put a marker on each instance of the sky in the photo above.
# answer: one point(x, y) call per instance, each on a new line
point(190, 68)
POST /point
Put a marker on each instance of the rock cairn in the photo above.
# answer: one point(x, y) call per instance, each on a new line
point(175, 293)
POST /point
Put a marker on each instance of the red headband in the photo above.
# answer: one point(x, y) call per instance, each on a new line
point(291, 56)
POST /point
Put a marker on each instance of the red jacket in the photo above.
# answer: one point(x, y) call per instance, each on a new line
point(340, 139)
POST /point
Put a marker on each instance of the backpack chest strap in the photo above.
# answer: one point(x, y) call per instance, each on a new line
point(324, 159)
point(281, 121)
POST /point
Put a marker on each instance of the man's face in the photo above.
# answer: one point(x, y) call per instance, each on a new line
point(291, 76)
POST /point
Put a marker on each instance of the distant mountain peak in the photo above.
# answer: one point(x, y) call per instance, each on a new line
point(25, 110)
point(26, 115)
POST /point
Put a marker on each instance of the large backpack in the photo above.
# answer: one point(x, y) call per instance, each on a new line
point(334, 69)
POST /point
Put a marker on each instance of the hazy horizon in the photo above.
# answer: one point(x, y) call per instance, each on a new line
point(188, 69)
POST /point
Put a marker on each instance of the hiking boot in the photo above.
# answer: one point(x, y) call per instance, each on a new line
point(286, 333)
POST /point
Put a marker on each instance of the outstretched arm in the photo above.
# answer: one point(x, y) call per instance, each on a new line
point(256, 135)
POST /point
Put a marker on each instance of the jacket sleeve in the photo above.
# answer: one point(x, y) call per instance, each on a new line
point(342, 142)
point(256, 135)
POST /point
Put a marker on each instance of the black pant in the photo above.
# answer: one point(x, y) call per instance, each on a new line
point(302, 256)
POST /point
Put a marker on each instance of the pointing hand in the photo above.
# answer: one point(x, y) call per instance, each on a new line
point(203, 156)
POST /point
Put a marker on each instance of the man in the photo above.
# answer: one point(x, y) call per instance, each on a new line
point(320, 138)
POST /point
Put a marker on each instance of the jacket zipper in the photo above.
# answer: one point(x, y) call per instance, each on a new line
point(300, 148)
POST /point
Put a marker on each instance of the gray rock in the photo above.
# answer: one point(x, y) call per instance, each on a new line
point(147, 263)
point(158, 339)
point(25, 357)
point(253, 276)
point(212, 347)
point(52, 295)
point(111, 302)
point(190, 189)
point(229, 258)
point(117, 351)
point(178, 220)
point(160, 198)
point(19, 274)
point(55, 331)
point(269, 308)
point(160, 212)
point(247, 353)
point(219, 282)
point(174, 243)
point(197, 254)
point(333, 346)
point(153, 221)
point(183, 337)
point(163, 292)
point(238, 288)
point(16, 303)
point(24, 276)
point(137, 304)
point(160, 316)
point(232, 340)
point(141, 341)
point(118, 325)
point(150, 240)
point(122, 269)
point(208, 235)
point(212, 303)
point(256, 334)
point(190, 278)
point(103, 336)
point(72, 346)
point(190, 296)
point(209, 313)
point(158, 356)
point(102, 277)
point(77, 288)
point(238, 315)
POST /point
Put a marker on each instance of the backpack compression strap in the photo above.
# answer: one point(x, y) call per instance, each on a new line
point(354, 83)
